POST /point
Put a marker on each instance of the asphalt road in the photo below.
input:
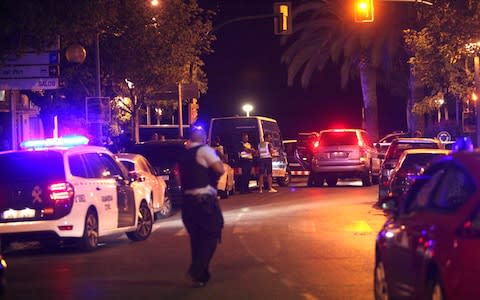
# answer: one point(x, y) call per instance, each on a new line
point(299, 243)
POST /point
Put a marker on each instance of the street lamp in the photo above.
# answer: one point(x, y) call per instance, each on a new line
point(439, 103)
point(247, 108)
point(474, 48)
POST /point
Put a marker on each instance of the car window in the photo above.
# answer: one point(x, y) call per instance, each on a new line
point(150, 167)
point(418, 160)
point(31, 166)
point(110, 167)
point(420, 199)
point(396, 149)
point(454, 190)
point(77, 167)
point(129, 165)
point(338, 138)
point(366, 139)
point(101, 165)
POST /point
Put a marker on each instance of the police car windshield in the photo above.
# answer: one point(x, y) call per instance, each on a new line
point(31, 166)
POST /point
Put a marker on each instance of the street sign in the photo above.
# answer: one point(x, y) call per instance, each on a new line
point(31, 71)
point(29, 84)
point(43, 58)
point(98, 110)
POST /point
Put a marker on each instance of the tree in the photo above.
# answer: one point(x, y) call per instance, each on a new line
point(149, 46)
point(440, 58)
point(325, 31)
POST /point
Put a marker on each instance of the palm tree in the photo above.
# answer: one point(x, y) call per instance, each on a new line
point(325, 31)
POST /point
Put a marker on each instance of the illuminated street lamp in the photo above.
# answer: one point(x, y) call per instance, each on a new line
point(474, 48)
point(439, 103)
point(154, 2)
point(247, 108)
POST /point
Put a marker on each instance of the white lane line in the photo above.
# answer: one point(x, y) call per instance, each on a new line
point(308, 296)
point(272, 269)
point(288, 283)
point(181, 232)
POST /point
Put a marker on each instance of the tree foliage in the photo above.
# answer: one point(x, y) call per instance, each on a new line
point(440, 58)
point(325, 31)
point(150, 46)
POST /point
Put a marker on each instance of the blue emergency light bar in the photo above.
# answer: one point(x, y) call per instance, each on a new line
point(66, 142)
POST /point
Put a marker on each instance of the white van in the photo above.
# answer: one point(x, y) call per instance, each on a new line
point(230, 129)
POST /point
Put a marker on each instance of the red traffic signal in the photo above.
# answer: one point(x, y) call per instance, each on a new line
point(364, 11)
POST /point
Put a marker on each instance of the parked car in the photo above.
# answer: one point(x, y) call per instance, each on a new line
point(296, 165)
point(154, 185)
point(344, 153)
point(306, 144)
point(429, 248)
point(55, 191)
point(164, 157)
point(383, 144)
point(411, 164)
point(392, 155)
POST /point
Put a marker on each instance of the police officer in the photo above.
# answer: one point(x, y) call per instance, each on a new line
point(246, 162)
point(266, 152)
point(200, 168)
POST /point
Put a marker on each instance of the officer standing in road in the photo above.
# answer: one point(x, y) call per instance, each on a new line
point(200, 168)
point(246, 162)
point(266, 151)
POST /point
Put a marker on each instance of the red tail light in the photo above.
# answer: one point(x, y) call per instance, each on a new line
point(316, 144)
point(61, 191)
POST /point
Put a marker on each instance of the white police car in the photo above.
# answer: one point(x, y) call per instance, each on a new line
point(55, 190)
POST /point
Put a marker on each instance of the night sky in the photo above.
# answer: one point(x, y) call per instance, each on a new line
point(246, 67)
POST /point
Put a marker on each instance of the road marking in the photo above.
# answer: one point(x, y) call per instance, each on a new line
point(303, 226)
point(359, 227)
point(181, 232)
point(309, 296)
point(288, 283)
point(271, 269)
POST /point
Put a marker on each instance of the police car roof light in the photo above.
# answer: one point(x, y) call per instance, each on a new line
point(68, 141)
point(463, 144)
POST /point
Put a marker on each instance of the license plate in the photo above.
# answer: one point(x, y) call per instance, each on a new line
point(165, 177)
point(19, 214)
point(338, 154)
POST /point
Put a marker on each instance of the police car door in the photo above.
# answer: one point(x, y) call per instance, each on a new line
point(104, 188)
point(124, 195)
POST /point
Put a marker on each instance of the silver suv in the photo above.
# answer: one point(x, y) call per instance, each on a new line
point(344, 153)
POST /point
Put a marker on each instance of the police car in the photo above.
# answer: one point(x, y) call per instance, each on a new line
point(62, 190)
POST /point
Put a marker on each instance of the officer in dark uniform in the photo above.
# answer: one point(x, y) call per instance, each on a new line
point(200, 168)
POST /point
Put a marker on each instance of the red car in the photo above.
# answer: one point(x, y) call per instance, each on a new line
point(430, 247)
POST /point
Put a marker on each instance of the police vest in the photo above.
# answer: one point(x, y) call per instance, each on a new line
point(192, 174)
point(264, 150)
point(244, 154)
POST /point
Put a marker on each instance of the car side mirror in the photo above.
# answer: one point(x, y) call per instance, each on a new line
point(134, 176)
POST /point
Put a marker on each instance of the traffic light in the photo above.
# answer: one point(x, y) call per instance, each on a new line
point(282, 20)
point(364, 11)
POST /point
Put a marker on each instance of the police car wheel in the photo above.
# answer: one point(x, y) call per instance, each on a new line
point(144, 224)
point(89, 241)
